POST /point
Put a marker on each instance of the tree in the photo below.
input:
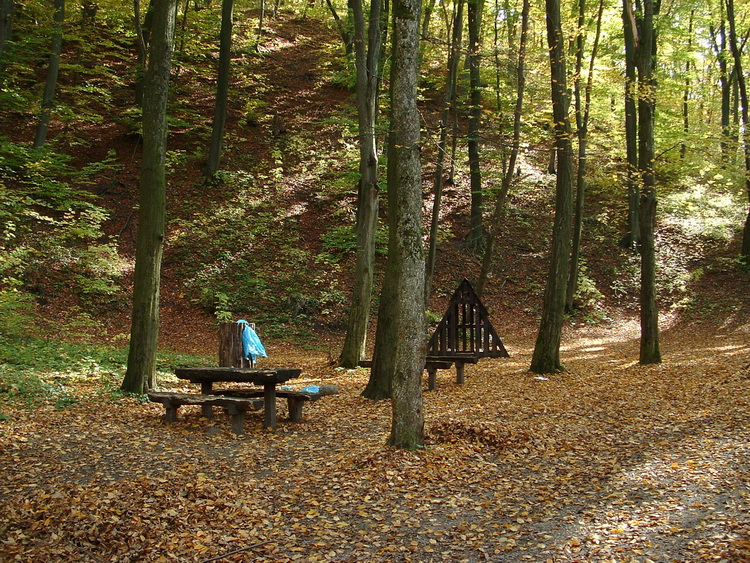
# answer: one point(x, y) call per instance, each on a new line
point(633, 237)
point(222, 88)
point(719, 44)
point(742, 86)
point(401, 342)
point(640, 19)
point(52, 72)
point(344, 29)
point(546, 357)
point(449, 102)
point(144, 330)
point(475, 239)
point(510, 167)
point(367, 58)
point(582, 111)
point(7, 13)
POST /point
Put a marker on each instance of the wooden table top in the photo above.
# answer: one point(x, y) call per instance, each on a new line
point(257, 376)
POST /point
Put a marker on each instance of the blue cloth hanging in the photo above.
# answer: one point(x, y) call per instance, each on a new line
point(252, 347)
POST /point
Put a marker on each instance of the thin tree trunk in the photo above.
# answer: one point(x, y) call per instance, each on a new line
point(644, 34)
point(511, 165)
point(222, 88)
point(405, 270)
point(546, 356)
point(7, 15)
point(367, 49)
point(582, 123)
point(52, 72)
point(448, 106)
point(632, 238)
point(719, 43)
point(742, 86)
point(475, 240)
point(686, 91)
point(346, 36)
point(143, 37)
point(261, 23)
point(144, 331)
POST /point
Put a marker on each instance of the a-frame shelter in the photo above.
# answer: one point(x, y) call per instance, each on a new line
point(464, 335)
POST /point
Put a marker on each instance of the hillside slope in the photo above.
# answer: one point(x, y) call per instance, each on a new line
point(270, 240)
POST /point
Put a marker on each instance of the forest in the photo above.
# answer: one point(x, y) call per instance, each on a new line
point(331, 171)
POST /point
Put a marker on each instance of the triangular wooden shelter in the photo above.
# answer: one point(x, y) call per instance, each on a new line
point(465, 330)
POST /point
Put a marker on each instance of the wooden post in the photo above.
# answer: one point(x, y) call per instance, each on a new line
point(230, 346)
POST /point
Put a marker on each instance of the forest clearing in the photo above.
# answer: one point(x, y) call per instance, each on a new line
point(280, 172)
point(609, 461)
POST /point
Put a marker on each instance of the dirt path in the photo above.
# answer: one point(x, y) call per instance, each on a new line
point(610, 461)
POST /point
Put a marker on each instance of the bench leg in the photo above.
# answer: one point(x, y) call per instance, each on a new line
point(295, 408)
point(431, 378)
point(171, 415)
point(269, 400)
point(238, 419)
point(459, 372)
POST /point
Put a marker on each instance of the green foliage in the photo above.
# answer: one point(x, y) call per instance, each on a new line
point(51, 236)
point(341, 241)
point(35, 372)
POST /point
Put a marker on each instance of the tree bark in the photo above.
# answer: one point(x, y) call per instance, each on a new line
point(52, 72)
point(644, 35)
point(222, 88)
point(742, 85)
point(7, 15)
point(403, 288)
point(633, 236)
point(367, 57)
point(475, 240)
point(546, 356)
point(144, 331)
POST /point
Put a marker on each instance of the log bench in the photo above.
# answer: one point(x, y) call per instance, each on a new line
point(236, 406)
point(294, 399)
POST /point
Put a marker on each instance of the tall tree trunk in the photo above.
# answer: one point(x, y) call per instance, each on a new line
point(346, 35)
point(144, 331)
point(7, 14)
point(742, 85)
point(475, 240)
point(449, 102)
point(261, 23)
point(719, 43)
point(546, 356)
point(582, 124)
point(404, 280)
point(52, 72)
point(633, 236)
point(644, 34)
point(511, 165)
point(143, 37)
point(222, 88)
point(367, 50)
point(686, 91)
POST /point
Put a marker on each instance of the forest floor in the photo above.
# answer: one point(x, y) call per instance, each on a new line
point(607, 461)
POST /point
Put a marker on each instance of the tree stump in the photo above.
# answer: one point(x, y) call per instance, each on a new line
point(230, 346)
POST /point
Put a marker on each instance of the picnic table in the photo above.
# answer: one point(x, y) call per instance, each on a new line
point(268, 378)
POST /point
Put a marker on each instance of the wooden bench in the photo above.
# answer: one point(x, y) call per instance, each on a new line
point(236, 406)
point(294, 399)
point(431, 365)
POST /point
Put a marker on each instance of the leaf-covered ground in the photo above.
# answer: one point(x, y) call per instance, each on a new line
point(609, 461)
